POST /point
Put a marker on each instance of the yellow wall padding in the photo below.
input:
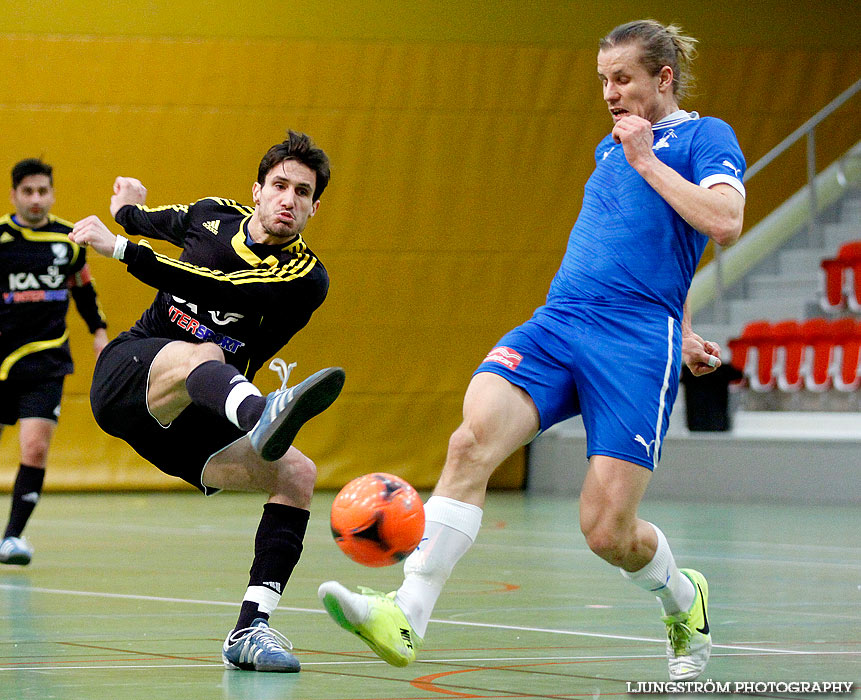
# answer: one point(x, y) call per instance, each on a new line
point(460, 143)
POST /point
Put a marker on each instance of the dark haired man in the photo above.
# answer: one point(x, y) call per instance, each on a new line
point(608, 344)
point(39, 267)
point(177, 386)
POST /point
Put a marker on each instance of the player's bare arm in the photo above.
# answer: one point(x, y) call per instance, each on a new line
point(127, 190)
point(717, 212)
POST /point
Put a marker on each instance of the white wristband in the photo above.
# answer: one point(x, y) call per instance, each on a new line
point(120, 247)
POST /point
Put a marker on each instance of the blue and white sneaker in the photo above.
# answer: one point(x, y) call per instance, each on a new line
point(288, 409)
point(15, 550)
point(259, 648)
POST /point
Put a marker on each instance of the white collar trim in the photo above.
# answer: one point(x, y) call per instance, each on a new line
point(675, 118)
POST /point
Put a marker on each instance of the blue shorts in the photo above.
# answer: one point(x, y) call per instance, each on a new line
point(618, 366)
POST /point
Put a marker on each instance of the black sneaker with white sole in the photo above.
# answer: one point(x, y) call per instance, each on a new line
point(287, 410)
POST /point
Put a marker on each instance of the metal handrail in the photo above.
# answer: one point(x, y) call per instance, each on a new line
point(807, 129)
point(802, 130)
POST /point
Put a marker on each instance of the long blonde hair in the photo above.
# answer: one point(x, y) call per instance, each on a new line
point(662, 46)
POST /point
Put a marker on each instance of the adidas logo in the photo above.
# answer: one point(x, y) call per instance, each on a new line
point(212, 226)
point(6, 237)
point(31, 497)
point(274, 585)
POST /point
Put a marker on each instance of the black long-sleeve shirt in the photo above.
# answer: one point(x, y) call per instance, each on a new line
point(248, 298)
point(38, 269)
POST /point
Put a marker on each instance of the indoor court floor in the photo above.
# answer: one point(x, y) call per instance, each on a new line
point(130, 596)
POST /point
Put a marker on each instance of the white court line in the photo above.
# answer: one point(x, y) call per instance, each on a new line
point(461, 623)
point(517, 628)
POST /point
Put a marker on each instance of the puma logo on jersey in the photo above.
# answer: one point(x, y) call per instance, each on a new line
point(731, 167)
point(212, 225)
point(647, 445)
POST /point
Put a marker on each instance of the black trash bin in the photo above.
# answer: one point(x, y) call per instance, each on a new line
point(707, 398)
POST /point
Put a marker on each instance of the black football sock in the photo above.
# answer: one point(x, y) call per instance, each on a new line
point(221, 388)
point(277, 547)
point(25, 496)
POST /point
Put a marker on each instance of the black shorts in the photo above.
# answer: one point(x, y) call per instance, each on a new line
point(118, 398)
point(38, 398)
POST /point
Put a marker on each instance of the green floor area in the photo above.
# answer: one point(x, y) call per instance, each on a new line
point(130, 596)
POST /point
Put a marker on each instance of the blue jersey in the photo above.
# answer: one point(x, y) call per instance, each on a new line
point(628, 245)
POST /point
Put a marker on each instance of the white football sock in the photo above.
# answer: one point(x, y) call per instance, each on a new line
point(241, 390)
point(662, 577)
point(450, 529)
point(267, 599)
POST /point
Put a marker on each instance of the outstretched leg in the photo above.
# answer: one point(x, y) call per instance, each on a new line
point(184, 373)
point(498, 418)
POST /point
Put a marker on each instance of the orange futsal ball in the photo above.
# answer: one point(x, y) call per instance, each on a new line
point(377, 519)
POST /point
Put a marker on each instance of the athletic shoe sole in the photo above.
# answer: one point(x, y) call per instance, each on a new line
point(17, 559)
point(310, 398)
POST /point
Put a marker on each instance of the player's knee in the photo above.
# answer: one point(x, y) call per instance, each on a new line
point(306, 473)
point(297, 476)
point(610, 543)
point(204, 352)
point(464, 447)
point(34, 451)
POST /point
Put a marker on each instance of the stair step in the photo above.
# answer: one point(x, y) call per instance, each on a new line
point(742, 311)
point(806, 286)
point(850, 212)
point(835, 235)
point(800, 261)
point(792, 293)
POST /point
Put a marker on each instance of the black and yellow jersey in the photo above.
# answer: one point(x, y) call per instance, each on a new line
point(38, 269)
point(248, 298)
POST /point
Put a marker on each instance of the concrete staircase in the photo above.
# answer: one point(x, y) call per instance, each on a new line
point(788, 285)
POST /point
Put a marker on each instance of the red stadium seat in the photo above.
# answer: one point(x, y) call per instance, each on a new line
point(841, 279)
point(753, 353)
point(852, 281)
point(789, 349)
point(831, 293)
point(847, 354)
point(816, 367)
